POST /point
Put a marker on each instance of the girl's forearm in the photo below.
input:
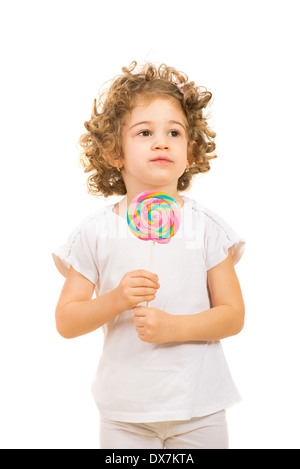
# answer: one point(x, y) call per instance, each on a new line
point(213, 324)
point(81, 317)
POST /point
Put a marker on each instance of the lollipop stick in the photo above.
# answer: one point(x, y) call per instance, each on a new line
point(151, 258)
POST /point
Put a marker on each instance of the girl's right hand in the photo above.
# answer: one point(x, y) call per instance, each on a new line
point(136, 287)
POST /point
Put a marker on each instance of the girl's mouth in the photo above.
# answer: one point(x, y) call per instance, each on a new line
point(161, 160)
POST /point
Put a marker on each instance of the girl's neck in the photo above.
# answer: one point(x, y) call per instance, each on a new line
point(121, 207)
point(131, 195)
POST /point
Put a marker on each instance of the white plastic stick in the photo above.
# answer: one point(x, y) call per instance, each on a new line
point(151, 258)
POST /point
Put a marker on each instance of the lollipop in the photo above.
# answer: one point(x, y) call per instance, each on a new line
point(154, 216)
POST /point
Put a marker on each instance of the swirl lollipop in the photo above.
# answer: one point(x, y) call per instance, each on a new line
point(153, 216)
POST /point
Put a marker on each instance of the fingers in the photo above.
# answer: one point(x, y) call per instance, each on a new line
point(137, 287)
point(144, 273)
point(143, 282)
point(139, 325)
point(138, 321)
point(143, 287)
point(140, 311)
point(142, 299)
point(143, 293)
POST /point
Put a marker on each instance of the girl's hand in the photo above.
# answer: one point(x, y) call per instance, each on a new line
point(136, 287)
point(152, 325)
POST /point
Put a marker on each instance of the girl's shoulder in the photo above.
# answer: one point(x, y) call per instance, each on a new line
point(90, 226)
point(95, 217)
point(80, 248)
point(218, 234)
point(210, 217)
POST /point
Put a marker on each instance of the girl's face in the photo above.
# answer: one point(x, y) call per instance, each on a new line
point(155, 147)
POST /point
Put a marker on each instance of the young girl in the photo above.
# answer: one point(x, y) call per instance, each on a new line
point(162, 381)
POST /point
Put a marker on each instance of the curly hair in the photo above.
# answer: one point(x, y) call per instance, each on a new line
point(102, 143)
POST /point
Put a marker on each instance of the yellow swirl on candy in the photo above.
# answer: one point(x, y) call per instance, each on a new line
point(154, 216)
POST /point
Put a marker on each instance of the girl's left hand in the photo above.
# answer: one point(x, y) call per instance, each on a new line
point(152, 325)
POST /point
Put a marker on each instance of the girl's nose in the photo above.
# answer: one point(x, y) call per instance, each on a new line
point(161, 143)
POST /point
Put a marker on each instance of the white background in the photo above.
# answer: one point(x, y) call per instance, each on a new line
point(55, 56)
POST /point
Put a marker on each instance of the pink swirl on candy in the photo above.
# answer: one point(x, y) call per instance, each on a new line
point(154, 216)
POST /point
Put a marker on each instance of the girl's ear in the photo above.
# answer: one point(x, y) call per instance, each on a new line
point(116, 162)
point(190, 152)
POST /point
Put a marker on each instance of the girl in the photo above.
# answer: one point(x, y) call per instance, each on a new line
point(162, 381)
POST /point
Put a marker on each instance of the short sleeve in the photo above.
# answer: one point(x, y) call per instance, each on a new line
point(80, 253)
point(219, 237)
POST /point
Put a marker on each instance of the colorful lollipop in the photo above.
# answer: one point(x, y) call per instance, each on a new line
point(154, 216)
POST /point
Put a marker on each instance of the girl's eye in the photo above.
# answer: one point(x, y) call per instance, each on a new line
point(174, 133)
point(147, 133)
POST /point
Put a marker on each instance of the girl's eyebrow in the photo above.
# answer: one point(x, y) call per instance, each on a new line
point(138, 123)
point(149, 122)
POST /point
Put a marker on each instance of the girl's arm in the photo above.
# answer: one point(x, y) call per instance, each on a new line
point(225, 318)
point(77, 314)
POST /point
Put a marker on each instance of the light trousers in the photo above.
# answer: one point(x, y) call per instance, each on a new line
point(209, 432)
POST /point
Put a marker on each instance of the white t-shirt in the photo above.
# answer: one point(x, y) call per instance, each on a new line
point(138, 381)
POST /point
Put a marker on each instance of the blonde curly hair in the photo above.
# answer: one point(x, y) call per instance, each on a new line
point(102, 143)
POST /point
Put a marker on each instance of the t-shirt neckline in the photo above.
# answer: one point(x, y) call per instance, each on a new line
point(185, 200)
